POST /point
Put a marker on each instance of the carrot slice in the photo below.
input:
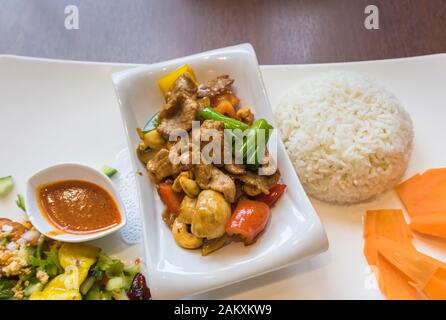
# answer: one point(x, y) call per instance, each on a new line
point(413, 264)
point(402, 271)
point(225, 107)
point(424, 194)
point(171, 199)
point(394, 284)
point(389, 224)
point(430, 224)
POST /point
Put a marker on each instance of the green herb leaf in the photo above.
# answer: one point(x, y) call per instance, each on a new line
point(50, 264)
point(20, 202)
point(111, 267)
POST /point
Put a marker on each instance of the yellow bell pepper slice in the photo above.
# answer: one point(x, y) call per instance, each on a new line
point(166, 82)
point(56, 294)
point(76, 259)
point(78, 254)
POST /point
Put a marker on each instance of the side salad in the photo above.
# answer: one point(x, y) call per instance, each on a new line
point(35, 267)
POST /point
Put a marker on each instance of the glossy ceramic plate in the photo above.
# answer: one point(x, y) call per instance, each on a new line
point(294, 231)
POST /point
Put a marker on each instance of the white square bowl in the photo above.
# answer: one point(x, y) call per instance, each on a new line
point(294, 231)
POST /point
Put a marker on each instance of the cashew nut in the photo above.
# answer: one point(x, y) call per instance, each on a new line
point(189, 186)
point(176, 186)
point(183, 237)
point(187, 209)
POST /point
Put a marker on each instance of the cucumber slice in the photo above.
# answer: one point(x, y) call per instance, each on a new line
point(152, 124)
point(6, 184)
point(87, 284)
point(93, 294)
point(116, 283)
point(20, 202)
point(109, 171)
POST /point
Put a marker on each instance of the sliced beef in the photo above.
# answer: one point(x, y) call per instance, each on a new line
point(255, 184)
point(177, 114)
point(209, 177)
point(215, 86)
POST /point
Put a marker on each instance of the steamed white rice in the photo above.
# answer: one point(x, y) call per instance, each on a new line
point(348, 138)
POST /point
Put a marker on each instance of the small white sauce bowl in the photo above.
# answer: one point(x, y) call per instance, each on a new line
point(67, 171)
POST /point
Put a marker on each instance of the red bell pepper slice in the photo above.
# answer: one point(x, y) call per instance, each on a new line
point(274, 194)
point(248, 220)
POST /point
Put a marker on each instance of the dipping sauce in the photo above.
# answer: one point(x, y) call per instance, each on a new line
point(76, 206)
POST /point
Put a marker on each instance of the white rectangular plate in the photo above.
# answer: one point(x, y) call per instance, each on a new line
point(76, 100)
point(294, 231)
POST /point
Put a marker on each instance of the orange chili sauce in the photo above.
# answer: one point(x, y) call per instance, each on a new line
point(76, 206)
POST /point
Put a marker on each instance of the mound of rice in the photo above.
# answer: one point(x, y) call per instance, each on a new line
point(348, 138)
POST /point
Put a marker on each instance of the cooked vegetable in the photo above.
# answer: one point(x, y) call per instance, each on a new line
point(151, 125)
point(210, 246)
point(138, 289)
point(6, 185)
point(211, 215)
point(229, 123)
point(20, 202)
point(183, 237)
point(152, 140)
point(225, 107)
point(274, 194)
point(228, 96)
point(109, 171)
point(248, 220)
point(170, 198)
point(253, 148)
point(165, 83)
